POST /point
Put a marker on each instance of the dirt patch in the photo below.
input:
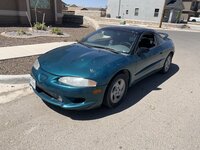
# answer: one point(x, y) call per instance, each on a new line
point(76, 33)
point(23, 65)
point(17, 66)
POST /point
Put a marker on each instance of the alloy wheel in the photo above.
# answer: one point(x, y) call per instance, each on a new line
point(118, 91)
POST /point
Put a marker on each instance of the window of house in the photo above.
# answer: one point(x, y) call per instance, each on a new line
point(156, 12)
point(136, 11)
point(42, 4)
point(127, 12)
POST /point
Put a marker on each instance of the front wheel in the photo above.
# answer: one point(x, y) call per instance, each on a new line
point(116, 91)
point(167, 64)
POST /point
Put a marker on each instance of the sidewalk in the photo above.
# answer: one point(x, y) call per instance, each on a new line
point(29, 50)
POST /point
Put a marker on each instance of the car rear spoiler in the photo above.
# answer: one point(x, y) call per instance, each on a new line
point(163, 35)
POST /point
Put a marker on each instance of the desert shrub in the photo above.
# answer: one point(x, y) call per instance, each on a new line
point(56, 31)
point(108, 15)
point(40, 26)
point(122, 22)
point(21, 32)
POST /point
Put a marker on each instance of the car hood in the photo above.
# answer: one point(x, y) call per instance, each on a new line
point(79, 60)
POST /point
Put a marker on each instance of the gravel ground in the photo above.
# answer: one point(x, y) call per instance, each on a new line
point(162, 112)
point(17, 66)
point(76, 33)
point(23, 65)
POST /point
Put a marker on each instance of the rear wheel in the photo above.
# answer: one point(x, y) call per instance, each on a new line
point(167, 64)
point(116, 91)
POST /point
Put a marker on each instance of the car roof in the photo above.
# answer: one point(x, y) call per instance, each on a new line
point(130, 29)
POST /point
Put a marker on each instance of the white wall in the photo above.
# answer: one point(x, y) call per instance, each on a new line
point(113, 7)
point(146, 9)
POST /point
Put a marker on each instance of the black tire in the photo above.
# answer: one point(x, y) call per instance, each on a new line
point(193, 20)
point(112, 88)
point(166, 69)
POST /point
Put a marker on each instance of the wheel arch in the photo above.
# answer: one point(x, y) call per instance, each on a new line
point(172, 53)
point(122, 71)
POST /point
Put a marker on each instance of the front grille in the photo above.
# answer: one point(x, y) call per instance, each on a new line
point(76, 100)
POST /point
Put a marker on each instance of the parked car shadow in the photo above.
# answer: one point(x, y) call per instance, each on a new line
point(136, 93)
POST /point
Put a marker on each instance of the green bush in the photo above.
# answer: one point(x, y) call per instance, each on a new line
point(122, 22)
point(56, 31)
point(40, 26)
point(21, 32)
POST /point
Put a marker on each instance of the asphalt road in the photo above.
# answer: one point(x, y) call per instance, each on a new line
point(161, 112)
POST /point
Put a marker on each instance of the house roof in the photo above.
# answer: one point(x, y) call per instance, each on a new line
point(73, 5)
point(92, 8)
point(174, 4)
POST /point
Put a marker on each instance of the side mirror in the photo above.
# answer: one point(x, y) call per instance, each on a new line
point(142, 50)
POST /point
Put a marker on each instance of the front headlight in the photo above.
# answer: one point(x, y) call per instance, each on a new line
point(36, 64)
point(78, 82)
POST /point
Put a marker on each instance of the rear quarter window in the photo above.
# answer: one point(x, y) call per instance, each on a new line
point(159, 39)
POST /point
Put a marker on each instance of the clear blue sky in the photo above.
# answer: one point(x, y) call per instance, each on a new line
point(87, 3)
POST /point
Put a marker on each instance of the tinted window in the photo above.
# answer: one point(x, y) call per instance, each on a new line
point(147, 41)
point(159, 39)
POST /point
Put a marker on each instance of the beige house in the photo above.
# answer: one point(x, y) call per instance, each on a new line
point(188, 6)
point(14, 12)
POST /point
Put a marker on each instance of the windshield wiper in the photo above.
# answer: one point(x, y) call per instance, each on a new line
point(82, 43)
point(101, 47)
point(106, 48)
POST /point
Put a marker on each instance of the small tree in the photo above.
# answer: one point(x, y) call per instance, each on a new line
point(35, 8)
point(38, 25)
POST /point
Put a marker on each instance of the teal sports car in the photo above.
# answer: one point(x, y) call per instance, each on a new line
point(101, 67)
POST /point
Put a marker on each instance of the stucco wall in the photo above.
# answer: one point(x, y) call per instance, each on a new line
point(14, 12)
point(187, 6)
point(8, 5)
point(146, 9)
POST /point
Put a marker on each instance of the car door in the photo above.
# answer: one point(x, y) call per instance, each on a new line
point(148, 55)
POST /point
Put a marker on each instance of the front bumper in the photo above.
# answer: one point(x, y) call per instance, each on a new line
point(73, 98)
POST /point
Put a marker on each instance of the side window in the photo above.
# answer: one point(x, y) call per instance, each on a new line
point(159, 39)
point(147, 41)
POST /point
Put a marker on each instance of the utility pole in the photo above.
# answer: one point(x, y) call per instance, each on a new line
point(163, 13)
point(119, 8)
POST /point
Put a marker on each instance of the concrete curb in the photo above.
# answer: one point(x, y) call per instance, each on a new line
point(15, 79)
point(164, 29)
point(29, 50)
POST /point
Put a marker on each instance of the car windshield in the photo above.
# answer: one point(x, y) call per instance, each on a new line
point(119, 41)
